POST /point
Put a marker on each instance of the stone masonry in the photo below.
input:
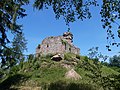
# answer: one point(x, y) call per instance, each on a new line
point(57, 45)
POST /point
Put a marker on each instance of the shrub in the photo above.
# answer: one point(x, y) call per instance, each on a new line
point(68, 56)
point(48, 55)
point(77, 56)
point(64, 42)
point(14, 70)
point(16, 79)
point(36, 65)
point(62, 85)
point(30, 58)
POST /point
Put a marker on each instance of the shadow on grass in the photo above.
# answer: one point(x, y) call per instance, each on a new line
point(12, 80)
point(60, 85)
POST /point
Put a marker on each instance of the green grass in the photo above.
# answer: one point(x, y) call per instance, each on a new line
point(108, 71)
point(69, 56)
point(50, 74)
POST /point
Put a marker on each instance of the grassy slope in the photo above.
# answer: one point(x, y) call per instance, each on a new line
point(44, 72)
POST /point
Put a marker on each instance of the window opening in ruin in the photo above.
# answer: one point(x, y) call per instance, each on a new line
point(70, 49)
point(47, 45)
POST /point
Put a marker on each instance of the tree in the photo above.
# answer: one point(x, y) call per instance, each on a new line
point(19, 46)
point(71, 10)
point(19, 43)
point(10, 11)
point(14, 54)
point(115, 61)
point(96, 55)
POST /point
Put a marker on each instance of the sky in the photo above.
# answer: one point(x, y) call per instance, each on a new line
point(38, 25)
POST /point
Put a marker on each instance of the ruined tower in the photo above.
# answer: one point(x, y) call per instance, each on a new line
point(57, 45)
point(68, 37)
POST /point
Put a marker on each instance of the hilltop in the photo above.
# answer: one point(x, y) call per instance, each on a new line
point(42, 73)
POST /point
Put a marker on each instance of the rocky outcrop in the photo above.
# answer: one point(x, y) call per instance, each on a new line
point(72, 74)
point(57, 45)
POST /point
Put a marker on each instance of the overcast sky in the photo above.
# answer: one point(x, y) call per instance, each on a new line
point(87, 34)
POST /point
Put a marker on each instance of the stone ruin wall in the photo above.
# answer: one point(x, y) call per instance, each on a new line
point(51, 45)
point(56, 45)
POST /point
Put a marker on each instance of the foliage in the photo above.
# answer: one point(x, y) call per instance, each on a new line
point(104, 63)
point(14, 70)
point(117, 84)
point(18, 47)
point(77, 56)
point(104, 77)
point(95, 54)
point(71, 59)
point(30, 57)
point(10, 12)
point(2, 73)
point(64, 42)
point(109, 71)
point(7, 58)
point(115, 61)
point(14, 54)
point(61, 85)
point(71, 10)
point(46, 70)
point(19, 43)
point(115, 68)
point(48, 56)
point(110, 14)
point(49, 75)
point(68, 56)
point(12, 80)
point(52, 74)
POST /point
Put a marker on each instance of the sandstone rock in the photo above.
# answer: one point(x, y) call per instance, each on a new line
point(72, 74)
point(66, 66)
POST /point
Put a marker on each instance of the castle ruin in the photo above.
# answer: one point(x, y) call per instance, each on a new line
point(57, 45)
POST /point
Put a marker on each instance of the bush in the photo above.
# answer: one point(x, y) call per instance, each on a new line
point(61, 85)
point(46, 58)
point(16, 79)
point(36, 65)
point(1, 74)
point(69, 56)
point(14, 70)
point(115, 61)
point(116, 69)
point(77, 56)
point(48, 55)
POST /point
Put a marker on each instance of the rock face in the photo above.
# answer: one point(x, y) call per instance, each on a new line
point(72, 74)
point(57, 45)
